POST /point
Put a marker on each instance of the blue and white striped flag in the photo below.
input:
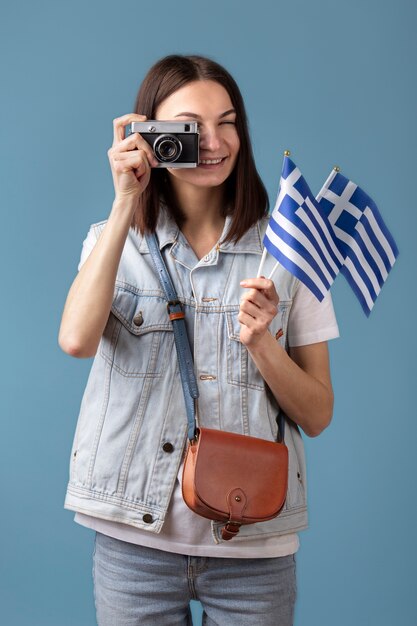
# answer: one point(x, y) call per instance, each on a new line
point(365, 242)
point(300, 236)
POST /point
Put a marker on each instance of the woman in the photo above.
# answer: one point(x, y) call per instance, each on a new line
point(257, 343)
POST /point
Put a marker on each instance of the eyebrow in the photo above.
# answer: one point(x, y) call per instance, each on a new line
point(198, 117)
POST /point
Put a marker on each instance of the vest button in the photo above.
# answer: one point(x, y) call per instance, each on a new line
point(147, 518)
point(138, 319)
point(168, 447)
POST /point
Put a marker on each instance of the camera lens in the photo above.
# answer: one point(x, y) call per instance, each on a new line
point(167, 148)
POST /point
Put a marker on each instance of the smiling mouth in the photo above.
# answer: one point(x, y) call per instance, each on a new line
point(211, 161)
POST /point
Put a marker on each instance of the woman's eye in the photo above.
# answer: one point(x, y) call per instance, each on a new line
point(229, 122)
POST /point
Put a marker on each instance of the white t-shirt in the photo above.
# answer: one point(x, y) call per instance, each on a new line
point(185, 532)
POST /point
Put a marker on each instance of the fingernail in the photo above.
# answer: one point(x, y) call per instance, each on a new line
point(243, 283)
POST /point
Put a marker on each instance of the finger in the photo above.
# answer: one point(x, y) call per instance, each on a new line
point(246, 320)
point(262, 314)
point(119, 124)
point(258, 283)
point(266, 285)
point(116, 155)
point(250, 309)
point(132, 155)
point(259, 298)
point(135, 155)
point(132, 143)
point(131, 161)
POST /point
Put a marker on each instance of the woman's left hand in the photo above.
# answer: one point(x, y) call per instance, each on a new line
point(258, 307)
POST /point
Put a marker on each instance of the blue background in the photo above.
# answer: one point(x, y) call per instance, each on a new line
point(335, 83)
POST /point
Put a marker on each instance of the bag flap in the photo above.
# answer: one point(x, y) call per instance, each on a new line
point(227, 461)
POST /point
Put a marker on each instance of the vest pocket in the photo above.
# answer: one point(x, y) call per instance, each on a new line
point(137, 334)
point(241, 370)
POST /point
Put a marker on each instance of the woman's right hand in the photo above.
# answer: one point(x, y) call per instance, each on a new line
point(131, 159)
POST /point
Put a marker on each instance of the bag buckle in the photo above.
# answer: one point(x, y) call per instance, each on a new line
point(230, 530)
point(177, 315)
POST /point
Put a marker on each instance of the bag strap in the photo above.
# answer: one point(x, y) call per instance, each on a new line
point(176, 315)
point(185, 357)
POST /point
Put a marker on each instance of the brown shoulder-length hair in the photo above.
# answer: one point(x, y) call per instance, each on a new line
point(246, 197)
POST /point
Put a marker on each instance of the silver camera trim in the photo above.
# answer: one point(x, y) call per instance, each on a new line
point(155, 126)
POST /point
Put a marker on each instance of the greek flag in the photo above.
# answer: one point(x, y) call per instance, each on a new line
point(300, 236)
point(365, 242)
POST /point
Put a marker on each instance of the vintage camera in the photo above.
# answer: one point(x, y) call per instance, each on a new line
point(174, 144)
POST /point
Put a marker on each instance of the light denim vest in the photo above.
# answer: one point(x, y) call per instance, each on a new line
point(131, 430)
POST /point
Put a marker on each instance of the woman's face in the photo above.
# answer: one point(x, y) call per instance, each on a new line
point(209, 104)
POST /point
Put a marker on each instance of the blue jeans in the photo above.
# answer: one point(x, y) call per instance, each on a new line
point(135, 585)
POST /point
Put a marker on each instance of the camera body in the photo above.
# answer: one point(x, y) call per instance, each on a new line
point(174, 144)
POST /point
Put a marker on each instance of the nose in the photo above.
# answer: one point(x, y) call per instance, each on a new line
point(210, 139)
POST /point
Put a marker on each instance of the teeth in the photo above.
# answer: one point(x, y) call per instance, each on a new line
point(210, 161)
